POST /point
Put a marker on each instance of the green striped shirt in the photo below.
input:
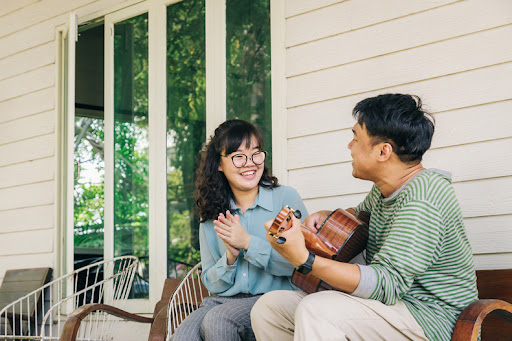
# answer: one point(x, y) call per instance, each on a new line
point(418, 252)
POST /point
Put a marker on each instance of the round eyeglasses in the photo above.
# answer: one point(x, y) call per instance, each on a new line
point(240, 160)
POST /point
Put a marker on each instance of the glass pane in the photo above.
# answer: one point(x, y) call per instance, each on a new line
point(248, 93)
point(186, 128)
point(88, 148)
point(131, 144)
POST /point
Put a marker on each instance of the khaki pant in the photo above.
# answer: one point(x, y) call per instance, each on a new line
point(330, 315)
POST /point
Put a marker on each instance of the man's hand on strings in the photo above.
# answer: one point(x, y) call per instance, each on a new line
point(315, 220)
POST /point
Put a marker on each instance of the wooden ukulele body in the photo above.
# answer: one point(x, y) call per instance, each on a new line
point(341, 237)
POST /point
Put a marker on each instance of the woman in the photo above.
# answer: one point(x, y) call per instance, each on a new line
point(235, 196)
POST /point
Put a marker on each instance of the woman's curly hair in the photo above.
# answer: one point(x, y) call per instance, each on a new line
point(212, 193)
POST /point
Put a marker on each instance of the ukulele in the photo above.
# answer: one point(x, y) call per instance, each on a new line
point(341, 237)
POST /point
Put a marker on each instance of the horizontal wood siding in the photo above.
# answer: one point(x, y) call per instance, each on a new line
point(490, 230)
point(27, 150)
point(425, 62)
point(35, 58)
point(345, 16)
point(27, 242)
point(41, 11)
point(27, 172)
point(24, 219)
point(27, 195)
point(12, 6)
point(397, 35)
point(28, 127)
point(456, 55)
point(29, 104)
point(466, 89)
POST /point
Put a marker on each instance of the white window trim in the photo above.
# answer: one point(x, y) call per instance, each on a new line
point(157, 151)
point(215, 27)
point(278, 81)
point(62, 170)
point(138, 305)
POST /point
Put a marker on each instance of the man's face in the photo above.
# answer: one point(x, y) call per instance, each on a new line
point(363, 154)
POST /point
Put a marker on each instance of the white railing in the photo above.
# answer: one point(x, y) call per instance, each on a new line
point(188, 296)
point(108, 282)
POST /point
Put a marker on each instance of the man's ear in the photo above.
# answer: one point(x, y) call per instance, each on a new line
point(385, 151)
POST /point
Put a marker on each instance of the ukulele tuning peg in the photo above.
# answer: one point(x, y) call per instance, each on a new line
point(281, 240)
point(297, 214)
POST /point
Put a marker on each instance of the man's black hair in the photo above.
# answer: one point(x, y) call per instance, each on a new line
point(399, 120)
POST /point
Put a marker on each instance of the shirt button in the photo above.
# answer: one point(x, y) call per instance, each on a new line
point(245, 274)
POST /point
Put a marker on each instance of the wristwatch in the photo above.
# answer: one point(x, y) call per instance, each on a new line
point(308, 266)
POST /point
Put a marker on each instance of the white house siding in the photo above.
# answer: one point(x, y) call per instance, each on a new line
point(456, 55)
point(28, 138)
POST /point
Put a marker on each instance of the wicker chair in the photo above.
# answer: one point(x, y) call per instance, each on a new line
point(187, 298)
point(107, 282)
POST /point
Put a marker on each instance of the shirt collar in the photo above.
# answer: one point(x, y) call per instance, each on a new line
point(395, 194)
point(264, 199)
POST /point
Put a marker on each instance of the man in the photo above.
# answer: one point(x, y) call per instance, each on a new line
point(419, 272)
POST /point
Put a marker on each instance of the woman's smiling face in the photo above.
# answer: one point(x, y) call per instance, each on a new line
point(247, 177)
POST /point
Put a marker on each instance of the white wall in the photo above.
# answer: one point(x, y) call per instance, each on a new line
point(456, 55)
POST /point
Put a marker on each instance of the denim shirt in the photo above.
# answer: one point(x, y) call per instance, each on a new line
point(259, 269)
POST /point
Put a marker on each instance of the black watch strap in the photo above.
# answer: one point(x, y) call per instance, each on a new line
point(308, 266)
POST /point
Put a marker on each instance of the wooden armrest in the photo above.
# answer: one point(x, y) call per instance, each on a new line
point(469, 321)
point(74, 320)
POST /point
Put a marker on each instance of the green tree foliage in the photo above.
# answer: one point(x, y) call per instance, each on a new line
point(248, 92)
point(88, 192)
point(131, 162)
point(186, 123)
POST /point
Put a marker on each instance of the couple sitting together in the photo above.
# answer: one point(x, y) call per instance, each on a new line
point(418, 272)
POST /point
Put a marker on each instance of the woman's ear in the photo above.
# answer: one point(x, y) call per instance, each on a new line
point(220, 167)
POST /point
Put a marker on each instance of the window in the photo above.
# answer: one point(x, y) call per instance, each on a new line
point(89, 163)
point(186, 129)
point(142, 116)
point(248, 92)
point(131, 142)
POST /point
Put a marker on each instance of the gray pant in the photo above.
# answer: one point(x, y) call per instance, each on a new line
point(219, 318)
